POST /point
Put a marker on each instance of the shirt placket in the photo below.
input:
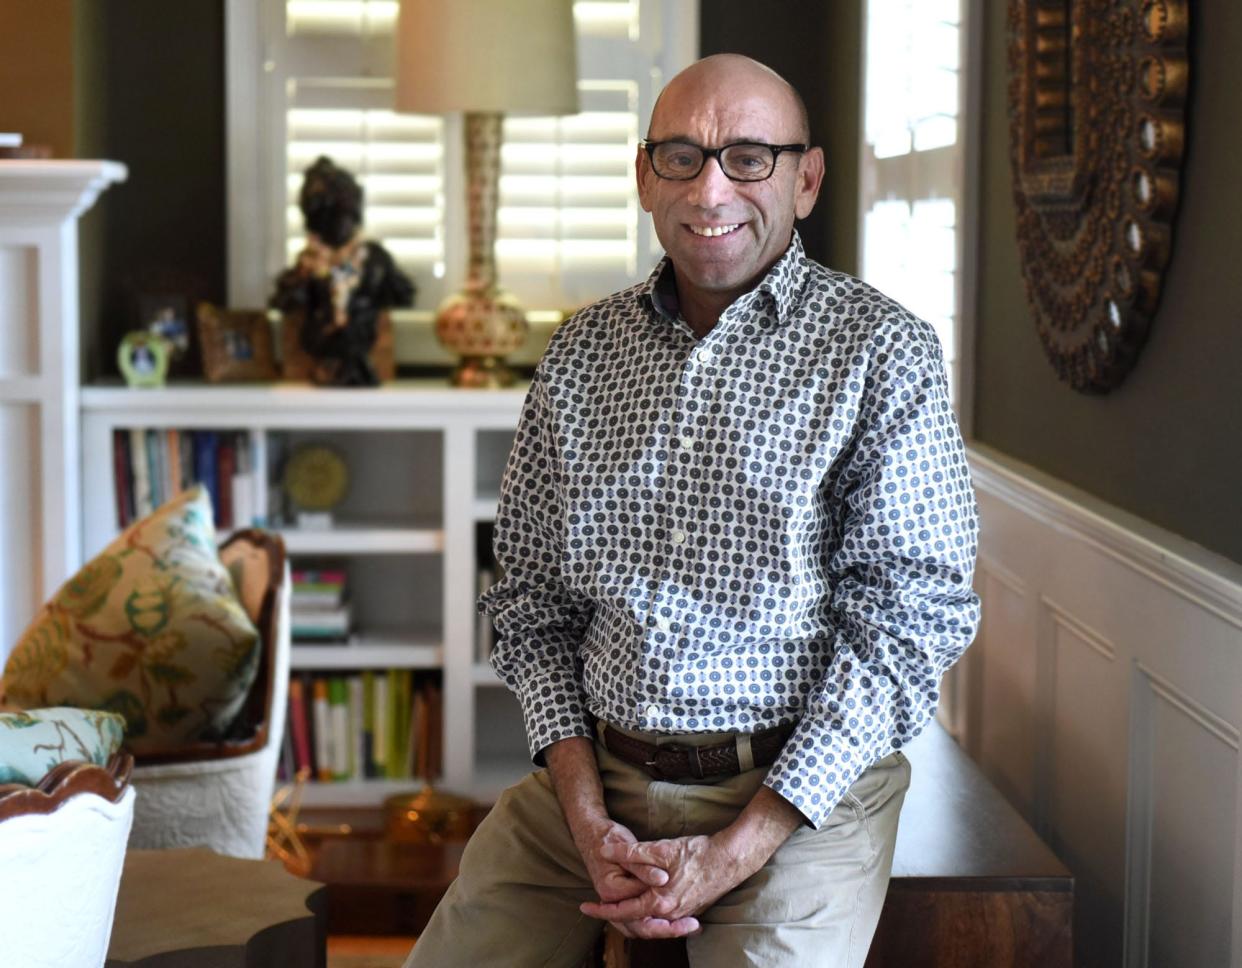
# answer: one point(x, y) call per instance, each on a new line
point(694, 388)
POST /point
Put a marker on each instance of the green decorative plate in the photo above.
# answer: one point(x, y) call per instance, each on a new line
point(316, 478)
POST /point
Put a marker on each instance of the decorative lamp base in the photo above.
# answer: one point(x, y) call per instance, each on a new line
point(482, 326)
point(482, 373)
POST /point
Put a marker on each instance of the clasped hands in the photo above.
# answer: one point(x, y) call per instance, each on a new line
point(654, 889)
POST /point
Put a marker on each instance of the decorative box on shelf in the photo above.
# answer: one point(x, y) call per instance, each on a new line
point(424, 464)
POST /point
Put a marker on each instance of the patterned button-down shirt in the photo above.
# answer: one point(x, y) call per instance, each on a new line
point(769, 524)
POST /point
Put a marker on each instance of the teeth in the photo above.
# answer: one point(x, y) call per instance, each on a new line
point(714, 230)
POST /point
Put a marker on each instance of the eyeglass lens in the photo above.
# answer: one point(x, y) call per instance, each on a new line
point(742, 162)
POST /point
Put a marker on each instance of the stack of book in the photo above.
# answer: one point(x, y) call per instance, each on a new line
point(320, 606)
point(151, 467)
point(379, 724)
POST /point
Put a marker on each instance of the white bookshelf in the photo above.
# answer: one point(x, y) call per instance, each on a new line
point(425, 463)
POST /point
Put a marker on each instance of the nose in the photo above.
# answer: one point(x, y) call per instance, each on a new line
point(711, 187)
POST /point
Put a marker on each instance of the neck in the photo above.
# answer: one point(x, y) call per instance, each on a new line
point(702, 309)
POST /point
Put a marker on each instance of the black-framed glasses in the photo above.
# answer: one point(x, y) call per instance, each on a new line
point(743, 161)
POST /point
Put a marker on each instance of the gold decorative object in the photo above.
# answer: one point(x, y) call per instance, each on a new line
point(486, 58)
point(428, 817)
point(1096, 96)
point(316, 478)
point(283, 841)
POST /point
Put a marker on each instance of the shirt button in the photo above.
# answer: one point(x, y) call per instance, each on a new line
point(678, 537)
point(686, 443)
point(662, 624)
point(653, 711)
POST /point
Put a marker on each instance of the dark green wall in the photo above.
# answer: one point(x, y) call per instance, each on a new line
point(814, 46)
point(149, 93)
point(1164, 445)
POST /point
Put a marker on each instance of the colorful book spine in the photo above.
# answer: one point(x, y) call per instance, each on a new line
point(172, 463)
point(323, 731)
point(379, 725)
point(357, 746)
point(140, 468)
point(123, 480)
point(338, 700)
point(298, 726)
point(368, 724)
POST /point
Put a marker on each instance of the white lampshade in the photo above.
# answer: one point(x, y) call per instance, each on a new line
point(506, 56)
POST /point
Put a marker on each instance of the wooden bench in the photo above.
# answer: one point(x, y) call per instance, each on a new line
point(973, 885)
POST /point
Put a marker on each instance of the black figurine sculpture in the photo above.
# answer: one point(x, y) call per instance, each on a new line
point(341, 283)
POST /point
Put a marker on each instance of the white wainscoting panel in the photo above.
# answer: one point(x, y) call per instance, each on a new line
point(1103, 696)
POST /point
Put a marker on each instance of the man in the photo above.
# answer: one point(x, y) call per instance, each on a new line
point(738, 535)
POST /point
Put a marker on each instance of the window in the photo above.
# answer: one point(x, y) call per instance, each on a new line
point(318, 75)
point(912, 193)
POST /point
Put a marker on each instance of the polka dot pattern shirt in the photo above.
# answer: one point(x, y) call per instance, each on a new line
point(774, 523)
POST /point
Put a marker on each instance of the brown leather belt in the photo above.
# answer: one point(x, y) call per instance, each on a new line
point(680, 761)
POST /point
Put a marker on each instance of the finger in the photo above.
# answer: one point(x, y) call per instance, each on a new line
point(630, 854)
point(653, 928)
point(627, 909)
point(649, 875)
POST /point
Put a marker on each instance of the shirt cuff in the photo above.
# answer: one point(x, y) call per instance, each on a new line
point(817, 765)
point(554, 708)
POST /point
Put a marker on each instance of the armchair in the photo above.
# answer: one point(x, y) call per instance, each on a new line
point(216, 794)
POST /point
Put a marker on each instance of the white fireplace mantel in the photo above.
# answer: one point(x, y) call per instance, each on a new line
point(40, 457)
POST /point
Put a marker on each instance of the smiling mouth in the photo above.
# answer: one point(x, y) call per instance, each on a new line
point(711, 231)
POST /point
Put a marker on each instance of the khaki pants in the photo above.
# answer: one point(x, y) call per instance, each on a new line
point(816, 902)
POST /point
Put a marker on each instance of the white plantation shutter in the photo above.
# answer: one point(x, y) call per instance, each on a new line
point(569, 226)
point(912, 161)
point(337, 66)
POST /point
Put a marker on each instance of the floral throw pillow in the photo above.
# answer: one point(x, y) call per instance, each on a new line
point(32, 743)
point(151, 628)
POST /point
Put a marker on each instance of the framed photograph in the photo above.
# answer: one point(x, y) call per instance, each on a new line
point(167, 315)
point(161, 301)
point(143, 359)
point(237, 344)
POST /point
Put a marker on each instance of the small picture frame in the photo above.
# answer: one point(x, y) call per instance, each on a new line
point(237, 344)
point(143, 359)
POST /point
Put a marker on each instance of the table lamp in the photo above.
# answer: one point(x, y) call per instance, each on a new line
point(486, 58)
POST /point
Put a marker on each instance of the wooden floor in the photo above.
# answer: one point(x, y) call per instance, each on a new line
point(367, 951)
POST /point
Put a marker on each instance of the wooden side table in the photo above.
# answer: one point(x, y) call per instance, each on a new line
point(381, 887)
point(192, 908)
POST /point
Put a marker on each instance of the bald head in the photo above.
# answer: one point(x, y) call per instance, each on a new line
point(724, 74)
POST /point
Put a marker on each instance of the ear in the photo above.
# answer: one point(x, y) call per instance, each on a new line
point(810, 177)
point(643, 175)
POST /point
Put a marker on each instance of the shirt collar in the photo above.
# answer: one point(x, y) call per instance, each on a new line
point(783, 283)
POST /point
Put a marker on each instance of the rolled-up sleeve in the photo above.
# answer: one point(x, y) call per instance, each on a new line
point(902, 608)
point(539, 622)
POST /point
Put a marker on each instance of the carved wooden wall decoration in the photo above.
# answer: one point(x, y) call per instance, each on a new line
point(1096, 94)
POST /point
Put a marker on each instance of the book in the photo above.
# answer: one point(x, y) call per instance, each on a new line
point(368, 724)
point(318, 576)
point(357, 728)
point(205, 467)
point(155, 469)
point(226, 460)
point(298, 726)
point(323, 730)
point(243, 484)
point(123, 483)
point(379, 725)
point(172, 463)
point(316, 600)
point(338, 704)
point(139, 468)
